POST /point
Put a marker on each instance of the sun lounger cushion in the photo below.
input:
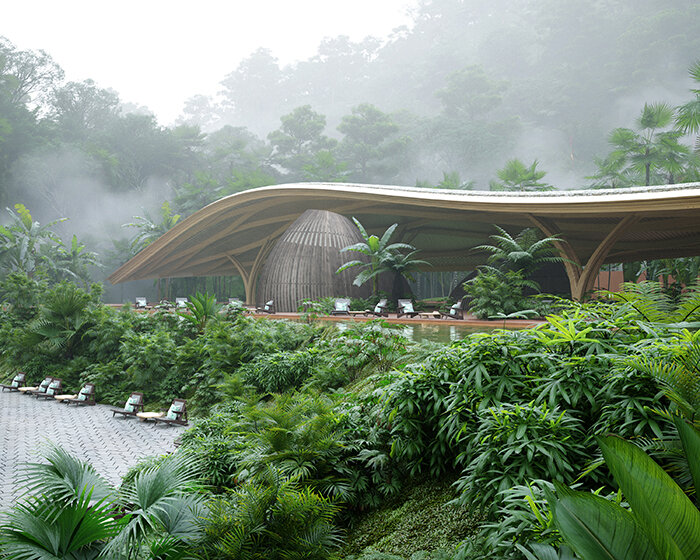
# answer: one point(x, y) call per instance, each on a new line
point(53, 387)
point(173, 411)
point(408, 307)
point(342, 305)
point(129, 406)
point(268, 305)
point(15, 381)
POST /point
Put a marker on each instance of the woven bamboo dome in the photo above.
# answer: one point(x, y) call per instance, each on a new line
point(302, 263)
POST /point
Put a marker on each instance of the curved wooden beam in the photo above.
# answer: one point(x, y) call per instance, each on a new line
point(572, 263)
point(592, 268)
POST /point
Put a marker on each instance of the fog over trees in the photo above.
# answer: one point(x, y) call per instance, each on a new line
point(506, 94)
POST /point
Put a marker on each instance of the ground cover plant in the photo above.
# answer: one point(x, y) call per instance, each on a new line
point(306, 438)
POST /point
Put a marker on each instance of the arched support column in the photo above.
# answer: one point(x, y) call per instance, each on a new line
point(582, 278)
point(257, 267)
point(572, 264)
point(245, 276)
point(250, 276)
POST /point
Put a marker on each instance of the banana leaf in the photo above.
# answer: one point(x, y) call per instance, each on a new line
point(690, 439)
point(598, 529)
point(668, 517)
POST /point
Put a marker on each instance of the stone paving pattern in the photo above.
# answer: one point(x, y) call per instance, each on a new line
point(111, 444)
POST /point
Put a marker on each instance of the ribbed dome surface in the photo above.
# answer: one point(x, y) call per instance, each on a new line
point(303, 262)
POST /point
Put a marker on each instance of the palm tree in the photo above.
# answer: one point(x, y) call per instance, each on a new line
point(70, 514)
point(648, 149)
point(62, 320)
point(70, 511)
point(73, 262)
point(150, 229)
point(402, 266)
point(525, 252)
point(612, 172)
point(516, 176)
point(688, 115)
point(380, 252)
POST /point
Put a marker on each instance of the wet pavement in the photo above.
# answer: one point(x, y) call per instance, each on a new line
point(111, 444)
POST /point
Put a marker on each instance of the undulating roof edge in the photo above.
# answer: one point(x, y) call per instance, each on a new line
point(666, 198)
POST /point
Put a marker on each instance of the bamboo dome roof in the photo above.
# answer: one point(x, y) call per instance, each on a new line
point(303, 262)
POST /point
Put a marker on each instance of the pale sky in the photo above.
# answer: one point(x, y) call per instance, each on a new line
point(158, 53)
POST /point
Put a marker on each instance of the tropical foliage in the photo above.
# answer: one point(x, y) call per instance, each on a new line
point(69, 512)
point(498, 290)
point(384, 257)
point(302, 430)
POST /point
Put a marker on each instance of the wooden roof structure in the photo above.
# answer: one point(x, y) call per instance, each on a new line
point(235, 234)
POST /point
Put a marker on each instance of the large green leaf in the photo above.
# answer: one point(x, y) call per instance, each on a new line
point(669, 518)
point(598, 529)
point(690, 438)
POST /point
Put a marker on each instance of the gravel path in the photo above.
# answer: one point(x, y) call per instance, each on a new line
point(111, 445)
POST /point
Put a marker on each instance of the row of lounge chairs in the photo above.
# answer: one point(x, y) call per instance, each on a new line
point(51, 387)
point(267, 307)
point(342, 307)
point(404, 309)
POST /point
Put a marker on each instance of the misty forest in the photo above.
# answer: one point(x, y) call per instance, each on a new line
point(315, 441)
point(510, 95)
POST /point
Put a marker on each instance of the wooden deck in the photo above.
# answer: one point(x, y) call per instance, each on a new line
point(468, 321)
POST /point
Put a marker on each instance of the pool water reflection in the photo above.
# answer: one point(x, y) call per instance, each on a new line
point(420, 332)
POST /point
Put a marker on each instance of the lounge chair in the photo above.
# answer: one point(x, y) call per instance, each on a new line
point(177, 414)
point(41, 388)
point(405, 308)
point(379, 309)
point(341, 307)
point(181, 302)
point(455, 311)
point(269, 307)
point(53, 389)
point(86, 396)
point(17, 382)
point(133, 405)
point(141, 303)
point(429, 314)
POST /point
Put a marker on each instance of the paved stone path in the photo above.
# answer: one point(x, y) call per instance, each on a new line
point(111, 445)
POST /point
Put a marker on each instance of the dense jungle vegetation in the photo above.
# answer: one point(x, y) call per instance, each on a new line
point(310, 443)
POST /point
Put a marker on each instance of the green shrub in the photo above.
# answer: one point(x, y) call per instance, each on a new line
point(522, 516)
point(515, 444)
point(22, 295)
point(111, 383)
point(418, 405)
point(278, 372)
point(216, 447)
point(374, 345)
point(148, 359)
point(494, 292)
point(270, 519)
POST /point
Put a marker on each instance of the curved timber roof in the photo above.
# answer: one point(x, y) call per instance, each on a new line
point(234, 234)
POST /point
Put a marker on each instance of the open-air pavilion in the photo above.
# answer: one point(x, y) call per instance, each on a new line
point(235, 234)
